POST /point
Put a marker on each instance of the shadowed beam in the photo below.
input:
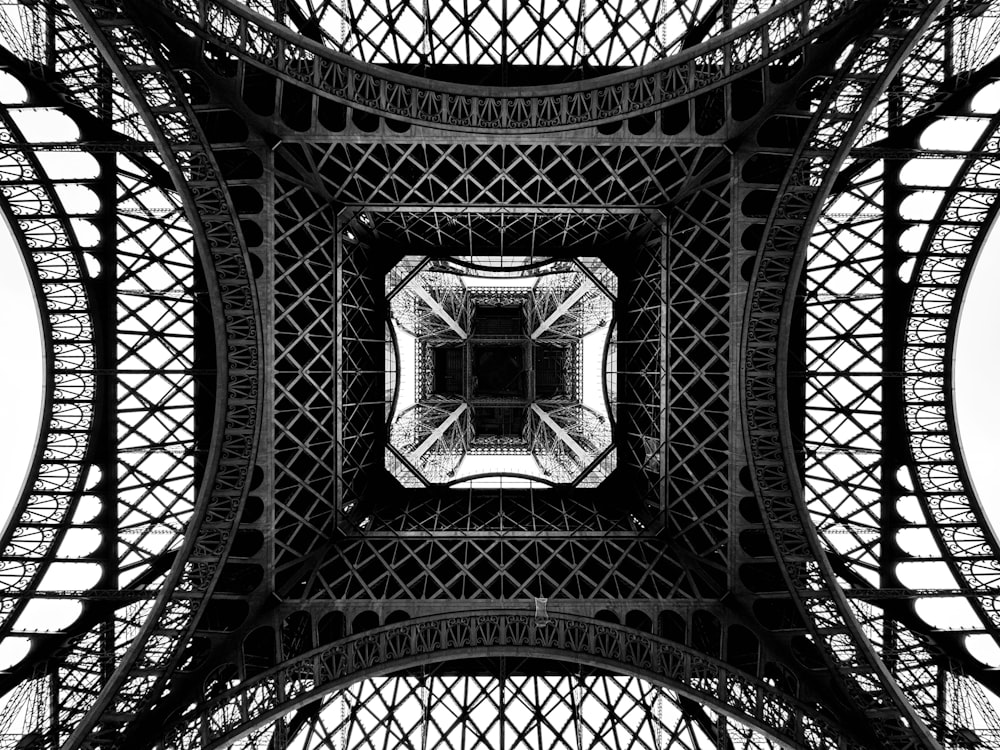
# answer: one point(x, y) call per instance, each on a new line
point(438, 433)
point(439, 310)
point(561, 433)
point(564, 307)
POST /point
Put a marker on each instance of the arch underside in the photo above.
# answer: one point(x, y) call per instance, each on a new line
point(527, 643)
point(730, 189)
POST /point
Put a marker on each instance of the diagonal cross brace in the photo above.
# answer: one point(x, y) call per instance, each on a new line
point(438, 433)
point(437, 308)
point(564, 307)
point(561, 433)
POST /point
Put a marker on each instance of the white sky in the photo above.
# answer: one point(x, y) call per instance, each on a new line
point(21, 375)
point(977, 363)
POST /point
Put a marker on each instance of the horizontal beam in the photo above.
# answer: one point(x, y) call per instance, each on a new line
point(426, 135)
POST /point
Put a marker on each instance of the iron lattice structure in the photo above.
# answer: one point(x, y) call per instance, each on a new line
point(497, 370)
point(212, 549)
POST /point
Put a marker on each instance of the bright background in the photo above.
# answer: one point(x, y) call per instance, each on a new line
point(21, 373)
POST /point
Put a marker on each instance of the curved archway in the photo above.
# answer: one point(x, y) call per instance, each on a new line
point(447, 637)
point(617, 96)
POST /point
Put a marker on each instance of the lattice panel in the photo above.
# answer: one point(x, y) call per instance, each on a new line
point(444, 568)
point(156, 426)
point(525, 511)
point(569, 33)
point(468, 174)
point(305, 365)
point(843, 361)
point(697, 299)
point(517, 712)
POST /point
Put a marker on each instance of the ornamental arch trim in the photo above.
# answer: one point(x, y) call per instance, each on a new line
point(943, 266)
point(435, 639)
point(245, 35)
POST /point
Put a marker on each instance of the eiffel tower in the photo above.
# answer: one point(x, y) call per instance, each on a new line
point(499, 374)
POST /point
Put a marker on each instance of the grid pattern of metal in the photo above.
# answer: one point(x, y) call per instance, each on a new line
point(561, 711)
point(147, 356)
point(550, 34)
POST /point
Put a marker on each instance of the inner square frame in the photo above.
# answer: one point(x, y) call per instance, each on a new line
point(673, 431)
point(485, 359)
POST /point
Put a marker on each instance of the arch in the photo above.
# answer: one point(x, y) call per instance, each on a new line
point(959, 525)
point(174, 131)
point(61, 460)
point(844, 102)
point(609, 98)
point(498, 633)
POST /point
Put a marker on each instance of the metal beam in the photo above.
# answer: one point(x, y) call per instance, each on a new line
point(563, 308)
point(438, 433)
point(439, 310)
point(561, 433)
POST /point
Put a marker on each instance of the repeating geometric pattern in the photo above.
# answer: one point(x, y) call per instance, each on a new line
point(156, 424)
point(510, 175)
point(508, 511)
point(556, 711)
point(697, 493)
point(548, 33)
point(530, 234)
point(236, 37)
point(489, 568)
point(305, 365)
point(842, 368)
point(347, 541)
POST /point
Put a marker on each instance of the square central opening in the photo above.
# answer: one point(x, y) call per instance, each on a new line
point(499, 371)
